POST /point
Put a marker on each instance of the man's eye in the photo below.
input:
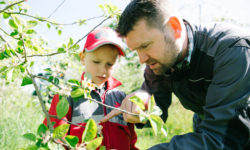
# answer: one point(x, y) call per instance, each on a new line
point(96, 62)
point(144, 46)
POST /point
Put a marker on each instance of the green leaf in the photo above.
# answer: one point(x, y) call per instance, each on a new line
point(62, 107)
point(94, 144)
point(4, 68)
point(56, 81)
point(151, 104)
point(13, 52)
point(60, 131)
point(71, 42)
point(19, 50)
point(20, 43)
point(81, 22)
point(51, 78)
point(61, 50)
point(30, 136)
point(157, 111)
point(2, 2)
point(5, 15)
point(7, 51)
point(59, 32)
point(2, 56)
point(17, 19)
point(48, 25)
point(9, 75)
point(13, 24)
point(22, 68)
point(138, 101)
point(164, 130)
point(31, 23)
point(79, 92)
point(72, 140)
point(74, 81)
point(30, 31)
point(102, 148)
point(156, 123)
point(31, 63)
point(26, 81)
point(90, 131)
point(31, 147)
point(42, 129)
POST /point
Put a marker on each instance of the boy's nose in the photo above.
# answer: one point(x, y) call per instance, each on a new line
point(103, 70)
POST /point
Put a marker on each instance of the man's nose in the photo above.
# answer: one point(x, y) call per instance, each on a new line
point(143, 57)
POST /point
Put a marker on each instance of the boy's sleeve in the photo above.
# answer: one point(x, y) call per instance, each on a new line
point(133, 136)
point(52, 111)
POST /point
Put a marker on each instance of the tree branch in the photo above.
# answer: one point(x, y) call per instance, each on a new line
point(7, 7)
point(40, 55)
point(113, 107)
point(57, 8)
point(49, 21)
point(54, 116)
point(41, 77)
point(56, 53)
point(90, 31)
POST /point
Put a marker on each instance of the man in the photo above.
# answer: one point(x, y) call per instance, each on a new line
point(207, 68)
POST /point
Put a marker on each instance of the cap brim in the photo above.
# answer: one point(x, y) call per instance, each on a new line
point(101, 43)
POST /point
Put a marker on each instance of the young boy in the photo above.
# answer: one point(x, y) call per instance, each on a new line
point(101, 50)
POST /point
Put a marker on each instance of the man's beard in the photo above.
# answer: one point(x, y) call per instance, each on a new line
point(161, 70)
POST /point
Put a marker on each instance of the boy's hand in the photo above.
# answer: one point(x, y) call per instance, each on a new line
point(129, 106)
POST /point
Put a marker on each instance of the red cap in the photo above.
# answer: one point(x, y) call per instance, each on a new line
point(103, 36)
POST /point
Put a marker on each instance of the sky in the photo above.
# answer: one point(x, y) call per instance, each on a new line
point(195, 11)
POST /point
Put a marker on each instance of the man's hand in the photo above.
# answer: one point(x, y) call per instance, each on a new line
point(129, 106)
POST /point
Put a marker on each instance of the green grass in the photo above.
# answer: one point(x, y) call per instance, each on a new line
point(178, 122)
point(19, 114)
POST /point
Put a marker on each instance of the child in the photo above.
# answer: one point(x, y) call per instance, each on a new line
point(101, 50)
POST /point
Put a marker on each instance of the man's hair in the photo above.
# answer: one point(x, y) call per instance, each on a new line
point(155, 13)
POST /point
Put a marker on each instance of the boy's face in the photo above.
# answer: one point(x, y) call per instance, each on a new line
point(100, 62)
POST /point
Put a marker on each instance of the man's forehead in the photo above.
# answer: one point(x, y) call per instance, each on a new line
point(141, 34)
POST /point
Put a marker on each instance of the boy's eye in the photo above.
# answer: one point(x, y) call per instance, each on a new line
point(96, 62)
point(110, 65)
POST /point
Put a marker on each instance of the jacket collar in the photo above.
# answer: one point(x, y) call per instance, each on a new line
point(111, 82)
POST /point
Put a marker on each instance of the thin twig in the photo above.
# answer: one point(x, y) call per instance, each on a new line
point(24, 48)
point(41, 77)
point(38, 92)
point(90, 31)
point(41, 100)
point(57, 8)
point(54, 116)
point(56, 53)
point(49, 21)
point(113, 107)
point(7, 7)
point(63, 144)
point(40, 55)
point(7, 33)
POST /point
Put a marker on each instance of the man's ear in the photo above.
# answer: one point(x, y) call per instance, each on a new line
point(176, 26)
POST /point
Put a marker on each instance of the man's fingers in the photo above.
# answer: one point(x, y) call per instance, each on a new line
point(110, 115)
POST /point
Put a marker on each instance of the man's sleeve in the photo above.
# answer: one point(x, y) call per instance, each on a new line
point(159, 86)
point(226, 123)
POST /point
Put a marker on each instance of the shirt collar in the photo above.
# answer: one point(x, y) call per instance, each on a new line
point(190, 47)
